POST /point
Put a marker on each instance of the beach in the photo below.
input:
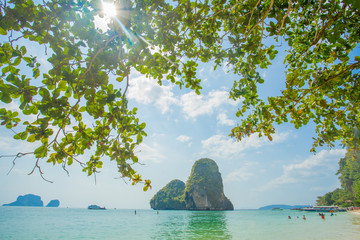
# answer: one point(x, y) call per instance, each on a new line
point(356, 212)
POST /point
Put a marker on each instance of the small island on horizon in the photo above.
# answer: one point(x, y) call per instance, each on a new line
point(32, 200)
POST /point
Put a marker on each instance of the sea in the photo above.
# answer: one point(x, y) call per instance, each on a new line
point(68, 223)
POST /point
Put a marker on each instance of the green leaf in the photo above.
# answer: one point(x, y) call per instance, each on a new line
point(41, 151)
point(82, 109)
point(139, 138)
point(21, 135)
point(17, 61)
point(62, 85)
point(36, 72)
point(110, 98)
point(31, 138)
point(6, 98)
point(3, 31)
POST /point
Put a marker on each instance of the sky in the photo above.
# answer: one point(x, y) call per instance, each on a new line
point(183, 127)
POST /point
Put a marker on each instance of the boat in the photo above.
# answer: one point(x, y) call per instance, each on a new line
point(96, 207)
point(277, 208)
point(323, 209)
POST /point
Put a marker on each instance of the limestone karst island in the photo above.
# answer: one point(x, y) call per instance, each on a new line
point(32, 200)
point(203, 191)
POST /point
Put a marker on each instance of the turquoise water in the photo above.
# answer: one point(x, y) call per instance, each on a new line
point(63, 223)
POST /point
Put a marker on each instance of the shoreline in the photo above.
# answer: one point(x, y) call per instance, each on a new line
point(356, 212)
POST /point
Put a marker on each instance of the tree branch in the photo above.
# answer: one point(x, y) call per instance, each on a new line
point(37, 166)
point(19, 155)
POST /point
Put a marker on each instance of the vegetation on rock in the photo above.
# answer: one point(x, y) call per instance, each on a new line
point(203, 190)
point(170, 197)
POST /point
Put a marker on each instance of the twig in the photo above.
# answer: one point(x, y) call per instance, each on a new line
point(261, 20)
point(41, 173)
point(287, 14)
point(19, 155)
point(94, 57)
point(252, 13)
point(64, 168)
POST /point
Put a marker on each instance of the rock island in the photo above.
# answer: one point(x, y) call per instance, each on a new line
point(203, 191)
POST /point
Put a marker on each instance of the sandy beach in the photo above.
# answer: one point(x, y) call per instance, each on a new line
point(357, 212)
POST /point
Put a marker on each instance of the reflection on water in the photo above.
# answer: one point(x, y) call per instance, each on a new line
point(192, 225)
point(208, 225)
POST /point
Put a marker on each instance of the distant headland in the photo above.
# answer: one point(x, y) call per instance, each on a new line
point(31, 200)
point(203, 191)
point(282, 206)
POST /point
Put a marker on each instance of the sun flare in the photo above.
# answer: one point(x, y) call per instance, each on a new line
point(109, 9)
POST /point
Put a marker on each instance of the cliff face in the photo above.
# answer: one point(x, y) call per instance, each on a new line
point(170, 197)
point(203, 191)
point(204, 188)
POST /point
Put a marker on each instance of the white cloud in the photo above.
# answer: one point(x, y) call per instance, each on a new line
point(194, 105)
point(221, 146)
point(263, 75)
point(10, 146)
point(148, 91)
point(242, 174)
point(183, 138)
point(223, 120)
point(150, 153)
point(323, 163)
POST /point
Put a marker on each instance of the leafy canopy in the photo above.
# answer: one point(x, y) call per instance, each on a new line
point(166, 40)
point(322, 81)
point(349, 175)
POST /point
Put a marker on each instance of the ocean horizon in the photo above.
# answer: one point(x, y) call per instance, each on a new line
point(80, 223)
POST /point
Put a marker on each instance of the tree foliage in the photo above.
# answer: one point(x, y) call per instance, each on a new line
point(77, 85)
point(322, 82)
point(338, 197)
point(349, 175)
point(166, 40)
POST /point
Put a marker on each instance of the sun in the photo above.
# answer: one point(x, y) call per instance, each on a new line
point(109, 9)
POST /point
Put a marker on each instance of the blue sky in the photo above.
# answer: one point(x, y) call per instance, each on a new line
point(183, 127)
